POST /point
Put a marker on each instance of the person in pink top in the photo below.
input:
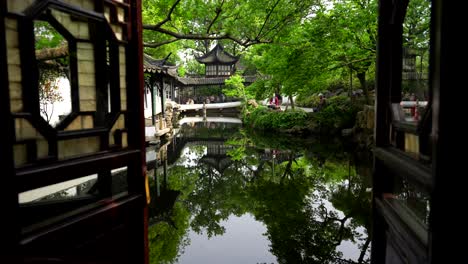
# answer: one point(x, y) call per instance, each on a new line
point(274, 103)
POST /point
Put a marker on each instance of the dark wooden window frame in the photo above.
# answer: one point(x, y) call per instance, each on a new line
point(16, 240)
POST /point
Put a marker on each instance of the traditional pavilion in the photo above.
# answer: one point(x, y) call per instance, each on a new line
point(161, 77)
point(218, 63)
point(219, 66)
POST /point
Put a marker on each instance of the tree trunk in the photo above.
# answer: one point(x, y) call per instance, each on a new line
point(362, 80)
point(292, 102)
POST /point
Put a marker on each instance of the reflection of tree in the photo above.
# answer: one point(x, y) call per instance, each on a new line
point(215, 198)
point(353, 200)
point(301, 232)
point(169, 218)
point(168, 240)
point(308, 206)
point(301, 228)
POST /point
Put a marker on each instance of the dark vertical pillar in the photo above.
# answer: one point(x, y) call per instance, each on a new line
point(381, 133)
point(75, 93)
point(101, 73)
point(114, 80)
point(104, 183)
point(31, 83)
point(449, 108)
point(9, 227)
point(136, 135)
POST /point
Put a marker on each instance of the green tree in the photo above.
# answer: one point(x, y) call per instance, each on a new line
point(246, 23)
point(53, 64)
point(235, 87)
point(322, 49)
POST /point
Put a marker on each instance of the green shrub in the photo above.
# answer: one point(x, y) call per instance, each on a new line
point(267, 119)
point(311, 101)
point(340, 112)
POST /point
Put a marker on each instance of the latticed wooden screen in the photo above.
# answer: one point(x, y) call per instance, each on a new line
point(72, 106)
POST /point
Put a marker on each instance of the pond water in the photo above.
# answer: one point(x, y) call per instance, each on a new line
point(223, 194)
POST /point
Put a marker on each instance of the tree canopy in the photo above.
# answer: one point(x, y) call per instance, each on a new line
point(295, 47)
point(246, 23)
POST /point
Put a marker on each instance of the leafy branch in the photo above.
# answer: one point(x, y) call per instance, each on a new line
point(263, 27)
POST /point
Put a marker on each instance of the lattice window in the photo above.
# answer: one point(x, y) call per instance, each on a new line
point(67, 74)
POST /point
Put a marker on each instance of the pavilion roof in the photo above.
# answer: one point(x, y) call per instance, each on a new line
point(217, 56)
point(152, 65)
point(198, 81)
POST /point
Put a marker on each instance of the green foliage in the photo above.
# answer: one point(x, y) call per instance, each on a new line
point(286, 186)
point(321, 50)
point(267, 119)
point(416, 25)
point(193, 67)
point(249, 21)
point(235, 87)
point(311, 101)
point(208, 90)
point(166, 241)
point(46, 36)
point(340, 112)
point(181, 71)
point(51, 70)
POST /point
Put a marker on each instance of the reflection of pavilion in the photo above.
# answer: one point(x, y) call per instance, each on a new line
point(216, 156)
point(278, 155)
point(163, 157)
point(212, 135)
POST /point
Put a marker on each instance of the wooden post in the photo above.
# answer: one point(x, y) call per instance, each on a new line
point(154, 94)
point(204, 111)
point(163, 101)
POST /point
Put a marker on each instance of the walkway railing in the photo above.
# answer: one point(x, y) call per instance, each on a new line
point(410, 108)
point(231, 120)
point(184, 107)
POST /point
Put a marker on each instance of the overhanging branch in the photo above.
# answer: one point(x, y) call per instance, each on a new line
point(267, 18)
point(159, 44)
point(206, 36)
point(218, 12)
point(168, 17)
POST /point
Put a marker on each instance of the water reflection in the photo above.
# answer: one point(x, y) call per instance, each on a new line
point(304, 193)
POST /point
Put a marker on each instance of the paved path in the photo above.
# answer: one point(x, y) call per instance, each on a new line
point(308, 110)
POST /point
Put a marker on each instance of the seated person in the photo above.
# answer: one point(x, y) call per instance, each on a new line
point(322, 103)
point(274, 103)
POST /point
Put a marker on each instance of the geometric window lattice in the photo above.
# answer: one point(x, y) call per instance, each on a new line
point(76, 89)
point(67, 81)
